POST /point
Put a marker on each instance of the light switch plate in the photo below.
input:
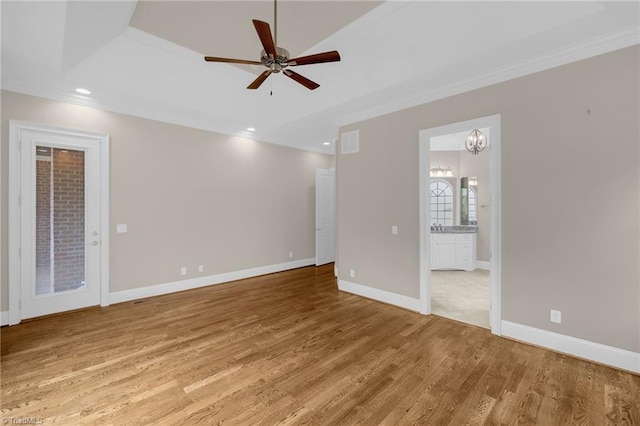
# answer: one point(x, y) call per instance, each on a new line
point(121, 228)
point(555, 316)
point(394, 229)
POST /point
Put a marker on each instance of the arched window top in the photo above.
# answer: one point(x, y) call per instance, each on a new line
point(441, 195)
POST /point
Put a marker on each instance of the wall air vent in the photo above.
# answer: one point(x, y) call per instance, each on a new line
point(350, 142)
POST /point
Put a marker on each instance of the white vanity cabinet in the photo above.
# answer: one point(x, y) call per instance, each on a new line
point(453, 251)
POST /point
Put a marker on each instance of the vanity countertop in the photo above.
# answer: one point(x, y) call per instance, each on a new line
point(455, 229)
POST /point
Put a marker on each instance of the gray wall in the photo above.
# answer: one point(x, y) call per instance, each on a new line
point(570, 196)
point(189, 196)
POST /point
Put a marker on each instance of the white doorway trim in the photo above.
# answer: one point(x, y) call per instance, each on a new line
point(15, 129)
point(425, 135)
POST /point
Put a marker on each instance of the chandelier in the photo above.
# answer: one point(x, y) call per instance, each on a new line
point(475, 142)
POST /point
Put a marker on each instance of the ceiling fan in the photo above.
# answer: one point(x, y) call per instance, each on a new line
point(276, 59)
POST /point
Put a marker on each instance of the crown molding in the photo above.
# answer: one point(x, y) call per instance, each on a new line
point(625, 37)
point(164, 114)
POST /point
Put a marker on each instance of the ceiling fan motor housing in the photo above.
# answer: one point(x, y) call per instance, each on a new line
point(278, 63)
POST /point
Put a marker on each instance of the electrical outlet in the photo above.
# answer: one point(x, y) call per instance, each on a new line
point(201, 268)
point(290, 254)
point(183, 270)
point(352, 273)
point(555, 316)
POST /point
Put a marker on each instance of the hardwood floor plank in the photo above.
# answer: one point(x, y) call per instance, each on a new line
point(288, 348)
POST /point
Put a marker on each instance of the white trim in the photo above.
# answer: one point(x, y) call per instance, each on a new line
point(15, 127)
point(481, 264)
point(14, 223)
point(609, 355)
point(395, 299)
point(597, 46)
point(495, 200)
point(424, 202)
point(493, 122)
point(104, 222)
point(175, 286)
point(4, 318)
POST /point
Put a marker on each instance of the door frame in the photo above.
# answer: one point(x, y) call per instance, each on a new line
point(425, 135)
point(15, 280)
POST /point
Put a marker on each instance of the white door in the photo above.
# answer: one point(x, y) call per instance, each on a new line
point(325, 212)
point(60, 241)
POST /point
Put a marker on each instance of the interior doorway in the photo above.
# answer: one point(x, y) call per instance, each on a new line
point(58, 220)
point(325, 216)
point(460, 224)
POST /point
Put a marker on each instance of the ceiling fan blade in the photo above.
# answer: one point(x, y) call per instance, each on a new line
point(232, 61)
point(318, 58)
point(302, 80)
point(264, 33)
point(258, 81)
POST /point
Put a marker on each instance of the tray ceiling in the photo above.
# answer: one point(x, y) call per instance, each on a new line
point(146, 58)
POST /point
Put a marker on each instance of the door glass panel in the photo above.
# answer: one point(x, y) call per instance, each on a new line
point(60, 217)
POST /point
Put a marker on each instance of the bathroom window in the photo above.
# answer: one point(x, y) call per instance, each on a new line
point(473, 206)
point(441, 203)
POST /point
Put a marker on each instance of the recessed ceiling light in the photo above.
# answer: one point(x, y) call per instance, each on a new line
point(326, 143)
point(83, 91)
point(251, 129)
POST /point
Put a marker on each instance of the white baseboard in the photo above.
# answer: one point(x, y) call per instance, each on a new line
point(175, 286)
point(4, 318)
point(380, 295)
point(481, 264)
point(609, 355)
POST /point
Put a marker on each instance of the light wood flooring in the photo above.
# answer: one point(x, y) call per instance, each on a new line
point(289, 348)
point(462, 295)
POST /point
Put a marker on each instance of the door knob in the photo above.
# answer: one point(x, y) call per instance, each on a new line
point(95, 243)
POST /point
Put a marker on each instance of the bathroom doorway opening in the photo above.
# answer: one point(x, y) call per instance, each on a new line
point(460, 224)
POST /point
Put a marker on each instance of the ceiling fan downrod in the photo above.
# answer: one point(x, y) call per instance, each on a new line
point(275, 22)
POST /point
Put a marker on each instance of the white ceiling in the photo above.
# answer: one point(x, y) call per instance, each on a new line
point(146, 59)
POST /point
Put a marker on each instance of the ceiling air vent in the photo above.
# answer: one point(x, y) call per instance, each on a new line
point(350, 142)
